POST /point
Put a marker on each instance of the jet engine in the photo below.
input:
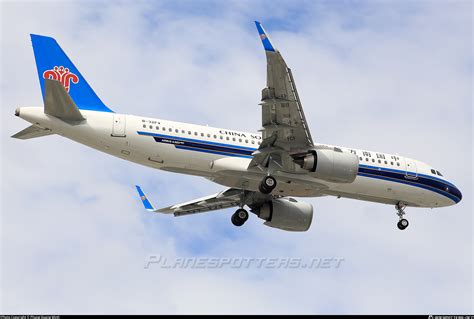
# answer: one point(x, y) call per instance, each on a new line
point(287, 214)
point(331, 165)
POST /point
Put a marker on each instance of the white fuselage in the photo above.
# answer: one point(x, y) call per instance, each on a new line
point(223, 156)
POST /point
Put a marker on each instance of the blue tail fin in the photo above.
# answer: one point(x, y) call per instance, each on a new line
point(52, 63)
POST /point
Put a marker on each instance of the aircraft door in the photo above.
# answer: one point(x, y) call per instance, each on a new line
point(118, 126)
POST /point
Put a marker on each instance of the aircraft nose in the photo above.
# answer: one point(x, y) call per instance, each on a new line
point(456, 192)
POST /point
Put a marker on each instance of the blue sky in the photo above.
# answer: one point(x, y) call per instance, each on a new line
point(389, 76)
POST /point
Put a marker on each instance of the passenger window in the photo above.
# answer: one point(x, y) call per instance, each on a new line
point(227, 138)
point(398, 164)
point(157, 128)
point(189, 132)
point(391, 163)
point(240, 140)
point(196, 133)
point(151, 127)
point(253, 142)
point(202, 134)
point(144, 126)
point(373, 160)
point(163, 128)
point(215, 136)
point(366, 159)
point(380, 161)
point(170, 129)
point(176, 130)
point(221, 137)
point(208, 135)
point(360, 158)
point(259, 143)
point(233, 139)
point(385, 162)
point(183, 132)
point(247, 141)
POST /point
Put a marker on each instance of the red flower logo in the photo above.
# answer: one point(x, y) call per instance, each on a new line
point(62, 75)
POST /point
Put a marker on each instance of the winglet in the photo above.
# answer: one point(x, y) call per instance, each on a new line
point(145, 200)
point(267, 44)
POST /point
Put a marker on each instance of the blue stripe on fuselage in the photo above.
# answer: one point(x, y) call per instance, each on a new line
point(205, 146)
point(178, 138)
point(210, 151)
point(404, 172)
point(423, 181)
point(436, 185)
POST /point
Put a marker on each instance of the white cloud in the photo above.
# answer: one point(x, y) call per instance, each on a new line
point(74, 237)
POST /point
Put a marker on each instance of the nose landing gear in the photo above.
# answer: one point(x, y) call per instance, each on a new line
point(402, 223)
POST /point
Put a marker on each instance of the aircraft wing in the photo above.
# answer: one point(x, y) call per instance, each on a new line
point(228, 198)
point(284, 126)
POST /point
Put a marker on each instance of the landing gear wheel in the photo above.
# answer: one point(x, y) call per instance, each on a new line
point(267, 185)
point(403, 223)
point(239, 217)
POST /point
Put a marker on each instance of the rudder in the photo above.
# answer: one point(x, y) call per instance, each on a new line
point(53, 63)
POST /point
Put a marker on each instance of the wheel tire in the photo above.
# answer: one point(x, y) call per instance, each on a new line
point(402, 224)
point(269, 182)
point(236, 221)
point(263, 189)
point(239, 217)
point(267, 185)
point(242, 214)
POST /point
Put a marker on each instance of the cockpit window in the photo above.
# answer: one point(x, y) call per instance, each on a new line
point(437, 172)
point(433, 171)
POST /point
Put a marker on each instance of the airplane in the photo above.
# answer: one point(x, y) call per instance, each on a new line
point(264, 170)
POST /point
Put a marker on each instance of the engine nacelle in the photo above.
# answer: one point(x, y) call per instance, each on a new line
point(330, 165)
point(287, 214)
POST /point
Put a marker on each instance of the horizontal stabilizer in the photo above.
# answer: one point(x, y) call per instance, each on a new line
point(58, 103)
point(32, 132)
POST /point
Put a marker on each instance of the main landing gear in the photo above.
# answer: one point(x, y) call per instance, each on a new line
point(239, 217)
point(402, 223)
point(267, 185)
